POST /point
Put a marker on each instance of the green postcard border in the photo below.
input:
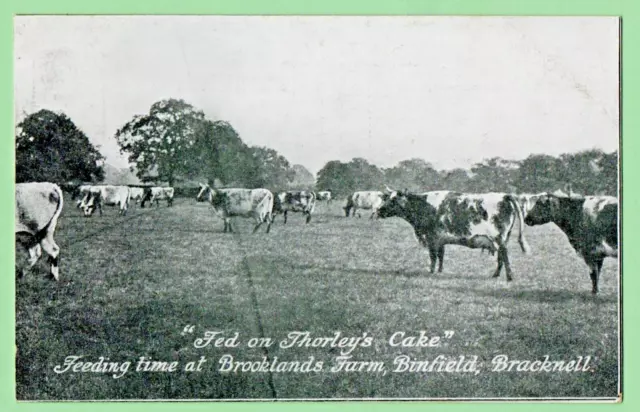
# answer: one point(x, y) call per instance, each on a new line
point(629, 10)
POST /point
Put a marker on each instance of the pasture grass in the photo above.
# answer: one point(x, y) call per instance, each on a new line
point(129, 285)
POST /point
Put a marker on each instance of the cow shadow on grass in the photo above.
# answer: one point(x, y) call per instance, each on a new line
point(407, 273)
point(537, 295)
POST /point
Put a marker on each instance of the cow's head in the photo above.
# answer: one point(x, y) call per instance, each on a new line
point(204, 193)
point(90, 206)
point(541, 209)
point(393, 203)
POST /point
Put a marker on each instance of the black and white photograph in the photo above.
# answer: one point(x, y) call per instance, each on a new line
point(250, 208)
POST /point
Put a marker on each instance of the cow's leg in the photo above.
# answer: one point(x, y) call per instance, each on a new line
point(500, 263)
point(52, 249)
point(255, 229)
point(440, 257)
point(269, 221)
point(285, 217)
point(308, 217)
point(34, 254)
point(226, 225)
point(433, 257)
point(99, 205)
point(505, 259)
point(596, 267)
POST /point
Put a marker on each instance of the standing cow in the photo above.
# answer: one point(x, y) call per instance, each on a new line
point(471, 220)
point(227, 203)
point(136, 194)
point(302, 201)
point(590, 223)
point(369, 200)
point(156, 194)
point(324, 195)
point(38, 207)
point(107, 195)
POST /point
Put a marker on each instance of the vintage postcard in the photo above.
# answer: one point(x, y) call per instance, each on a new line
point(317, 208)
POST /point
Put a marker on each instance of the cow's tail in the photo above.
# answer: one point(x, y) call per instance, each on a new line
point(54, 219)
point(269, 207)
point(521, 240)
point(312, 201)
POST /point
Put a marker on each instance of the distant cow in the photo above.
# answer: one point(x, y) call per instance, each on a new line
point(590, 223)
point(227, 203)
point(302, 201)
point(38, 207)
point(136, 194)
point(471, 220)
point(156, 194)
point(325, 195)
point(82, 194)
point(107, 195)
point(370, 200)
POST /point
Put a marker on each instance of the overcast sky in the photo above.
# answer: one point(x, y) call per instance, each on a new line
point(451, 90)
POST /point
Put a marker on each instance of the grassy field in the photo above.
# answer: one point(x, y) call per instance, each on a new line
point(129, 286)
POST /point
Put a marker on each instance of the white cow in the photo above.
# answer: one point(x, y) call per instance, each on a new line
point(108, 195)
point(38, 207)
point(370, 200)
point(254, 203)
point(156, 194)
point(136, 194)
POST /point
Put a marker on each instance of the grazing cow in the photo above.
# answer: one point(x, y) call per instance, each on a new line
point(227, 203)
point(38, 207)
point(370, 200)
point(156, 194)
point(471, 220)
point(82, 194)
point(107, 195)
point(302, 201)
point(325, 195)
point(136, 194)
point(590, 223)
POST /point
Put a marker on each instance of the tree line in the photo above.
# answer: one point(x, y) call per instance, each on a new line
point(587, 172)
point(175, 143)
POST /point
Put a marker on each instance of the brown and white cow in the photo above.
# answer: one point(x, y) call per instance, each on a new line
point(590, 223)
point(227, 203)
point(38, 207)
point(368, 200)
point(156, 194)
point(472, 220)
point(107, 195)
point(300, 201)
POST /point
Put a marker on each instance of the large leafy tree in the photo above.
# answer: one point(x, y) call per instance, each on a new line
point(162, 139)
point(218, 154)
point(274, 170)
point(414, 174)
point(49, 147)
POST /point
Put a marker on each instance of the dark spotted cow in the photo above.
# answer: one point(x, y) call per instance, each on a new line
point(38, 207)
point(472, 220)
point(302, 201)
point(590, 223)
point(227, 203)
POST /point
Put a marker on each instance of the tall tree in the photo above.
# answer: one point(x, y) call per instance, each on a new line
point(274, 170)
point(539, 173)
point(162, 139)
point(49, 147)
point(218, 153)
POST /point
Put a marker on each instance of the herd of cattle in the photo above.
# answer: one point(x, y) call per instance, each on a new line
point(480, 221)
